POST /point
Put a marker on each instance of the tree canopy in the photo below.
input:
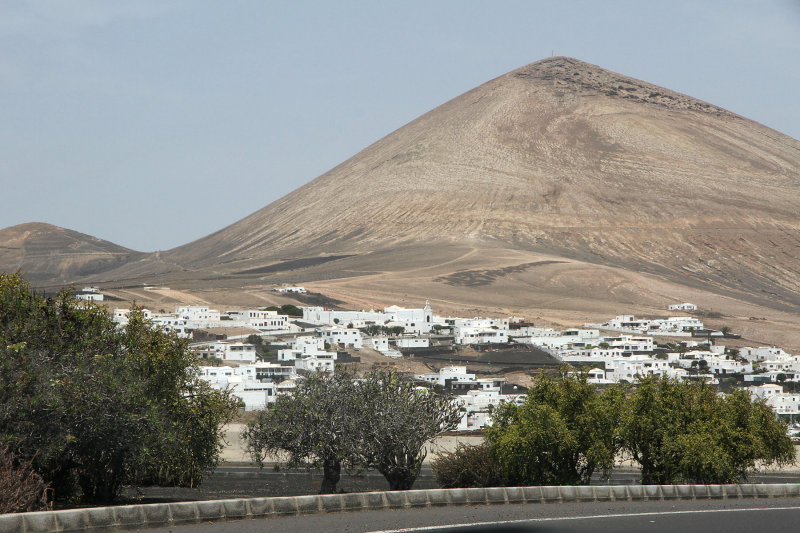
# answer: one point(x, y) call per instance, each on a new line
point(315, 426)
point(93, 406)
point(397, 421)
point(560, 434)
point(678, 432)
point(686, 432)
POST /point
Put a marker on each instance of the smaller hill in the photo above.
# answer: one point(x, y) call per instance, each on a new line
point(53, 255)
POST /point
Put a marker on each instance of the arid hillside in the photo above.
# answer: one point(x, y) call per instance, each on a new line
point(560, 158)
point(49, 255)
point(559, 187)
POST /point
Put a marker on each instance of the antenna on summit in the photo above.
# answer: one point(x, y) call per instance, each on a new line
point(552, 53)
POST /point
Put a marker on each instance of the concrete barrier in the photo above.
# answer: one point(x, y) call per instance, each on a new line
point(164, 514)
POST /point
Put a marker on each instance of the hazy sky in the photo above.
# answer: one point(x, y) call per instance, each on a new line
point(154, 123)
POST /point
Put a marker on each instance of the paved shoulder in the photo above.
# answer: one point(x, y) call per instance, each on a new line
point(709, 516)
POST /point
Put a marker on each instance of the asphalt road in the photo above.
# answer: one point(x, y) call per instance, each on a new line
point(708, 516)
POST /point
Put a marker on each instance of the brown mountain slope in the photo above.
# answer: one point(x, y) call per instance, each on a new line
point(48, 254)
point(557, 190)
point(559, 158)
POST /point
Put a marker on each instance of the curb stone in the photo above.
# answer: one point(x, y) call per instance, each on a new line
point(179, 513)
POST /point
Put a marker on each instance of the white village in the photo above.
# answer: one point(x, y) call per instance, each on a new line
point(259, 354)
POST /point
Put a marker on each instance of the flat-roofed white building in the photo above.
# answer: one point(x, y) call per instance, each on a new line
point(298, 290)
point(89, 296)
point(197, 312)
point(629, 370)
point(274, 371)
point(316, 363)
point(241, 382)
point(761, 353)
point(304, 346)
point(412, 342)
point(682, 307)
point(261, 319)
point(716, 364)
point(784, 404)
point(225, 350)
point(458, 373)
point(479, 335)
point(308, 353)
point(675, 326)
point(413, 320)
point(322, 316)
point(342, 336)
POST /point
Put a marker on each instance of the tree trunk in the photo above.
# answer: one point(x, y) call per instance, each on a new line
point(331, 473)
point(400, 477)
point(401, 480)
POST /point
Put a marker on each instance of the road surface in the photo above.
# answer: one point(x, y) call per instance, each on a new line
point(708, 516)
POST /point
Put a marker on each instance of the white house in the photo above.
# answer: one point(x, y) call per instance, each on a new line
point(304, 346)
point(342, 336)
point(781, 363)
point(717, 364)
point(675, 325)
point(480, 331)
point(631, 369)
point(316, 363)
point(197, 312)
point(380, 344)
point(678, 326)
point(89, 296)
point(327, 317)
point(682, 307)
point(412, 342)
point(784, 404)
point(413, 320)
point(597, 376)
point(297, 290)
point(275, 372)
point(478, 405)
point(763, 352)
point(242, 383)
point(261, 319)
point(457, 373)
point(225, 350)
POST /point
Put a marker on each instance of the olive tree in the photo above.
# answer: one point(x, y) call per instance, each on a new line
point(316, 426)
point(334, 420)
point(398, 420)
point(685, 432)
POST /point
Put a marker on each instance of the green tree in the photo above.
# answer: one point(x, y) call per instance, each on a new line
point(561, 434)
point(685, 432)
point(93, 406)
point(372, 330)
point(286, 309)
